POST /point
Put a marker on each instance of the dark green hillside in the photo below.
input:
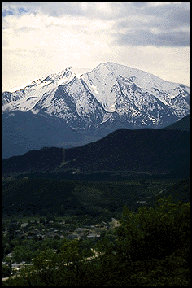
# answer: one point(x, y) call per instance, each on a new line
point(33, 161)
point(103, 199)
point(34, 196)
point(42, 196)
point(180, 172)
point(180, 191)
point(145, 150)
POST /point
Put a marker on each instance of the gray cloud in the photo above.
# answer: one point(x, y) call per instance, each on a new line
point(139, 4)
point(163, 25)
point(147, 38)
point(179, 19)
point(119, 10)
point(143, 23)
point(57, 9)
point(172, 15)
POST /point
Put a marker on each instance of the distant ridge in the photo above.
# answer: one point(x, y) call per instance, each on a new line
point(183, 124)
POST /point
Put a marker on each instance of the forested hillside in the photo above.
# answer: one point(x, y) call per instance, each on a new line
point(149, 248)
point(144, 150)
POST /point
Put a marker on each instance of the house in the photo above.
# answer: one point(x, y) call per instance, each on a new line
point(72, 236)
point(141, 202)
point(98, 226)
point(80, 229)
point(10, 255)
point(24, 225)
point(40, 236)
point(93, 235)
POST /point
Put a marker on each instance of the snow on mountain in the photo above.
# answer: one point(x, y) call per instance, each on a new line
point(109, 94)
point(115, 80)
point(26, 97)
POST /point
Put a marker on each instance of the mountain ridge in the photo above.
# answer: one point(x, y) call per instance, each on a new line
point(140, 150)
point(109, 84)
point(93, 104)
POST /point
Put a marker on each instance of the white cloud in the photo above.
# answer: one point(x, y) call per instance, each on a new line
point(39, 38)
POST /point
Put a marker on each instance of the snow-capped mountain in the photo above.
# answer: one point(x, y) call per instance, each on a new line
point(110, 93)
point(69, 109)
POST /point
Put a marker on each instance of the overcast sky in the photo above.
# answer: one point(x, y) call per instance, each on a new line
point(39, 38)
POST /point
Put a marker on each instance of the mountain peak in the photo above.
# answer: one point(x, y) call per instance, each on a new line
point(92, 102)
point(109, 93)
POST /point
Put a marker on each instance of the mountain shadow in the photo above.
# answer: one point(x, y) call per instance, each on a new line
point(24, 131)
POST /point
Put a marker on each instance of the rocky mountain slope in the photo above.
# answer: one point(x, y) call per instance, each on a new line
point(109, 97)
point(108, 92)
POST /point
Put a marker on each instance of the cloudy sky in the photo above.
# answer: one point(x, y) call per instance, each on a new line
point(40, 38)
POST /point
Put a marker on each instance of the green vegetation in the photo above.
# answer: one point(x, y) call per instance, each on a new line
point(6, 271)
point(151, 247)
point(97, 199)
